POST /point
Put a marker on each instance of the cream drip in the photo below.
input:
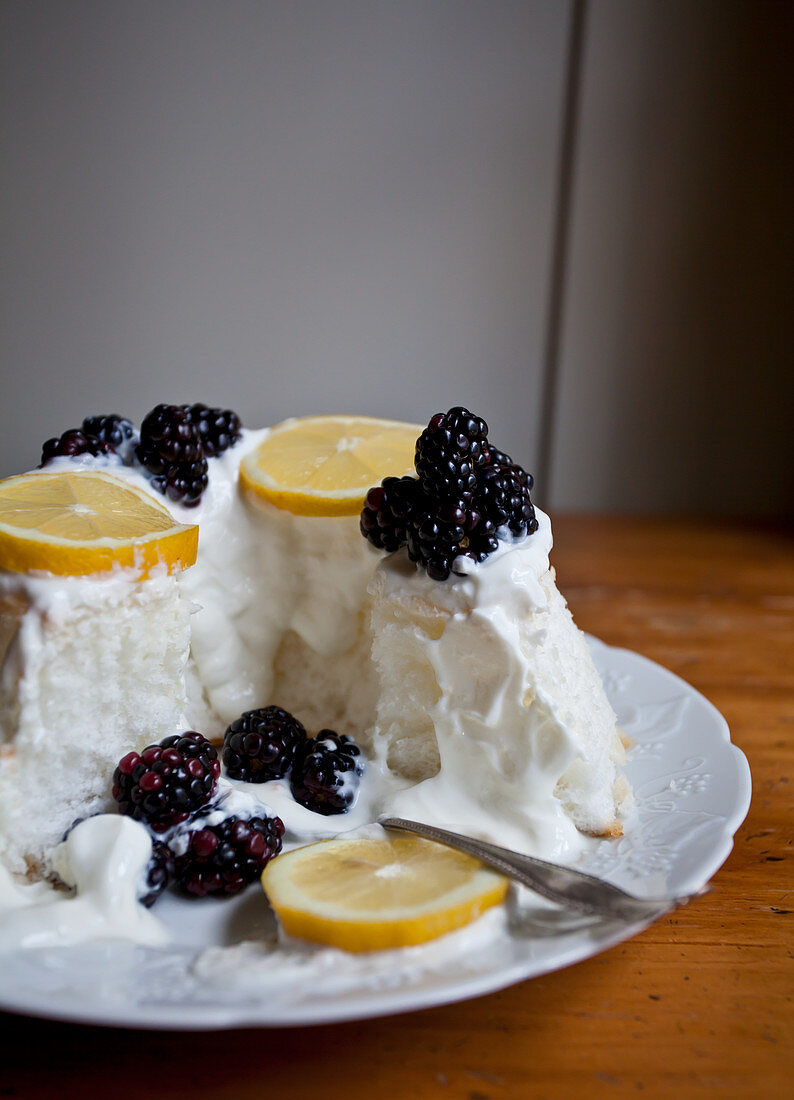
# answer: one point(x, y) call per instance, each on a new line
point(104, 860)
point(503, 741)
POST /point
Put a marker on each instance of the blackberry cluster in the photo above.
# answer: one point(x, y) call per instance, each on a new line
point(327, 773)
point(261, 744)
point(174, 445)
point(464, 493)
point(98, 435)
point(170, 788)
point(177, 440)
point(324, 771)
point(225, 858)
point(218, 429)
point(167, 782)
point(72, 443)
point(171, 450)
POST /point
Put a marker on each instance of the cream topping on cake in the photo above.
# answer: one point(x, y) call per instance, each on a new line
point(264, 579)
point(103, 860)
point(488, 657)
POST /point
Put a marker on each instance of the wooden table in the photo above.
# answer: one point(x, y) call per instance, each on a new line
point(701, 1004)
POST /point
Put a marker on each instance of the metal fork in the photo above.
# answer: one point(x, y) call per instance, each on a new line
point(562, 885)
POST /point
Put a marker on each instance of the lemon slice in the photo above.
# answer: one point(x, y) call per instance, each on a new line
point(324, 465)
point(368, 894)
point(87, 521)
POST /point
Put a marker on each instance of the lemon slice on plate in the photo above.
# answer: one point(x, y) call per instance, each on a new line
point(87, 521)
point(368, 894)
point(324, 465)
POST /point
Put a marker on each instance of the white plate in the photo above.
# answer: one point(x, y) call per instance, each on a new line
point(692, 788)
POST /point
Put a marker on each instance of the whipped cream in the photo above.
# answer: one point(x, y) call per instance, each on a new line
point(265, 578)
point(378, 785)
point(104, 860)
point(509, 578)
point(230, 800)
point(481, 651)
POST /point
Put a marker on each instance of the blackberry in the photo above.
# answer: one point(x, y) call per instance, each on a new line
point(499, 458)
point(261, 744)
point(168, 438)
point(326, 773)
point(449, 452)
point(388, 510)
point(167, 782)
point(218, 429)
point(503, 500)
point(170, 448)
point(225, 858)
point(184, 483)
point(435, 543)
point(465, 492)
point(158, 874)
point(72, 443)
point(115, 430)
point(496, 457)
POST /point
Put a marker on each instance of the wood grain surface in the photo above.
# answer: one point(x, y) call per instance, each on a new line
point(701, 1004)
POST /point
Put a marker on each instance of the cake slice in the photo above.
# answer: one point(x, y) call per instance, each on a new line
point(87, 676)
point(91, 665)
point(490, 705)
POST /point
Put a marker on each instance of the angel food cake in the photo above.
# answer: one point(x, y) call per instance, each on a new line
point(429, 668)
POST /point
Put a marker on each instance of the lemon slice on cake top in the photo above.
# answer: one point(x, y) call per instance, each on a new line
point(84, 522)
point(324, 465)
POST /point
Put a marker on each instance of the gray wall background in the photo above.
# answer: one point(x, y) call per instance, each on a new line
point(567, 215)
